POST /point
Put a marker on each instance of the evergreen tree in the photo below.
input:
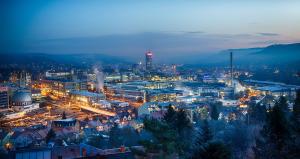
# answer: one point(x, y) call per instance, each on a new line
point(170, 116)
point(184, 130)
point(131, 136)
point(283, 104)
point(213, 150)
point(257, 113)
point(205, 134)
point(214, 111)
point(115, 138)
point(275, 135)
point(295, 118)
point(295, 122)
point(237, 135)
point(204, 113)
point(172, 134)
point(296, 107)
point(164, 137)
point(50, 135)
point(182, 122)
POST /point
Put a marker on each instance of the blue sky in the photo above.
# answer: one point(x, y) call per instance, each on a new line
point(130, 27)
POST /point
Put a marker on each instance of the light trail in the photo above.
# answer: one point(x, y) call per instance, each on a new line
point(99, 111)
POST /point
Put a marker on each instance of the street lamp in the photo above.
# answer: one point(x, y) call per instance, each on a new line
point(8, 146)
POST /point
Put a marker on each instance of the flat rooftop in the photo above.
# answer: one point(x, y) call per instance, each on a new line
point(87, 93)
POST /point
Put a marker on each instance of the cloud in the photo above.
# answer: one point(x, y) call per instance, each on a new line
point(193, 32)
point(268, 34)
point(183, 32)
point(267, 42)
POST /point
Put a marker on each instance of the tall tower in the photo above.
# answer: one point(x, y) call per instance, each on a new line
point(231, 69)
point(149, 56)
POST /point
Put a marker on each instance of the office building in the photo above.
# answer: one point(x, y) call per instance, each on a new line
point(149, 56)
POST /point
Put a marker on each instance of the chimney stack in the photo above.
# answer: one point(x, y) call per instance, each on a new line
point(231, 69)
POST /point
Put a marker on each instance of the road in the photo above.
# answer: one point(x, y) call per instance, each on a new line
point(99, 111)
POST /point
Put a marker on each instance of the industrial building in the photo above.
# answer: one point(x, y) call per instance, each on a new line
point(85, 97)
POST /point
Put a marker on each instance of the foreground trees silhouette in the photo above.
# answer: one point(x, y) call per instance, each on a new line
point(215, 110)
point(212, 150)
point(267, 133)
point(207, 148)
point(171, 134)
point(280, 135)
point(274, 136)
point(175, 135)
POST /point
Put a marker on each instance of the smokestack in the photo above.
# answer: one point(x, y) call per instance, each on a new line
point(231, 68)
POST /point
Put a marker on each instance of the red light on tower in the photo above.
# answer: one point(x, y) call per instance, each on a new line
point(149, 53)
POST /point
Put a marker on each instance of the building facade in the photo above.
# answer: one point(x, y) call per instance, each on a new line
point(149, 56)
point(4, 100)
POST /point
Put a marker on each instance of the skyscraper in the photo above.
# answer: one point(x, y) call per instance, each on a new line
point(149, 55)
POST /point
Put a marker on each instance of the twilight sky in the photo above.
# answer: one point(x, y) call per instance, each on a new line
point(127, 28)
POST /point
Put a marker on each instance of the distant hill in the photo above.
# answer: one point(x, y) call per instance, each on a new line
point(280, 53)
point(52, 59)
point(291, 49)
point(271, 55)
